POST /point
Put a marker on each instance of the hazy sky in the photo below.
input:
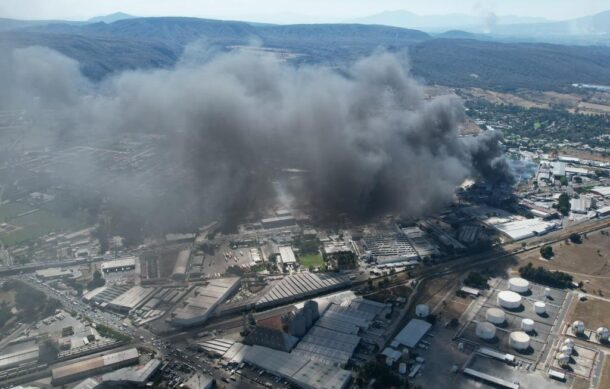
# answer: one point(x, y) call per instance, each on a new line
point(290, 11)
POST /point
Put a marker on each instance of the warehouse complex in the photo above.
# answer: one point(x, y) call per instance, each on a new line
point(299, 371)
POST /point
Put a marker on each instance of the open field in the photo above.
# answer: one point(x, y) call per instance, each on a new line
point(314, 260)
point(595, 313)
point(586, 104)
point(11, 210)
point(588, 262)
point(39, 223)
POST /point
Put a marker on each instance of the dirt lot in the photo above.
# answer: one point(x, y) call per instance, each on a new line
point(581, 383)
point(588, 262)
point(604, 381)
point(8, 298)
point(586, 104)
point(390, 293)
point(595, 313)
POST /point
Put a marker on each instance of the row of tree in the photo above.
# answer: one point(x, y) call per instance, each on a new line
point(540, 275)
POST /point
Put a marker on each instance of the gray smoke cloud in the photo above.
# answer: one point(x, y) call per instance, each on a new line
point(365, 136)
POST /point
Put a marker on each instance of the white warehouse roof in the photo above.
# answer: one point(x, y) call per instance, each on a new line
point(526, 228)
point(412, 333)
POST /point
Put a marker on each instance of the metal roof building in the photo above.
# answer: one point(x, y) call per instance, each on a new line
point(182, 262)
point(201, 301)
point(96, 365)
point(327, 345)
point(18, 357)
point(123, 264)
point(300, 285)
point(286, 255)
point(300, 371)
point(200, 381)
point(131, 299)
point(412, 333)
point(135, 375)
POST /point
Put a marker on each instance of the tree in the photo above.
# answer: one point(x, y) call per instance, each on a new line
point(539, 274)
point(575, 238)
point(563, 204)
point(97, 281)
point(547, 252)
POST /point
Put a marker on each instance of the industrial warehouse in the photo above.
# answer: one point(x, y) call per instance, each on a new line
point(201, 301)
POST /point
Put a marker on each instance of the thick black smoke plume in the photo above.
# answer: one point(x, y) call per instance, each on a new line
point(367, 139)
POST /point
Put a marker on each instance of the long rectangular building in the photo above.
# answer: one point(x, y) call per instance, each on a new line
point(92, 366)
point(301, 285)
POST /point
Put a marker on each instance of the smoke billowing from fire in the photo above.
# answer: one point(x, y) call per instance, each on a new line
point(367, 138)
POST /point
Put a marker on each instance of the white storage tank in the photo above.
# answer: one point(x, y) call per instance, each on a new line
point(527, 325)
point(402, 368)
point(602, 334)
point(519, 285)
point(547, 292)
point(509, 299)
point(495, 315)
point(519, 340)
point(422, 310)
point(540, 307)
point(566, 349)
point(568, 342)
point(578, 327)
point(563, 359)
point(486, 330)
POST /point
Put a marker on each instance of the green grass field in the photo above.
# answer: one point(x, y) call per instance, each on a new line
point(314, 260)
point(11, 210)
point(35, 224)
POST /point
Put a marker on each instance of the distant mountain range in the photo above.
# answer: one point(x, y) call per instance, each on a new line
point(436, 23)
point(111, 18)
point(455, 58)
point(593, 29)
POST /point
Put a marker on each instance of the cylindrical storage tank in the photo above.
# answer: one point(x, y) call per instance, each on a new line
point(602, 334)
point(495, 316)
point(568, 342)
point(527, 325)
point(578, 327)
point(563, 359)
point(509, 299)
point(547, 292)
point(566, 349)
point(519, 340)
point(402, 368)
point(519, 285)
point(422, 310)
point(486, 330)
point(540, 307)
